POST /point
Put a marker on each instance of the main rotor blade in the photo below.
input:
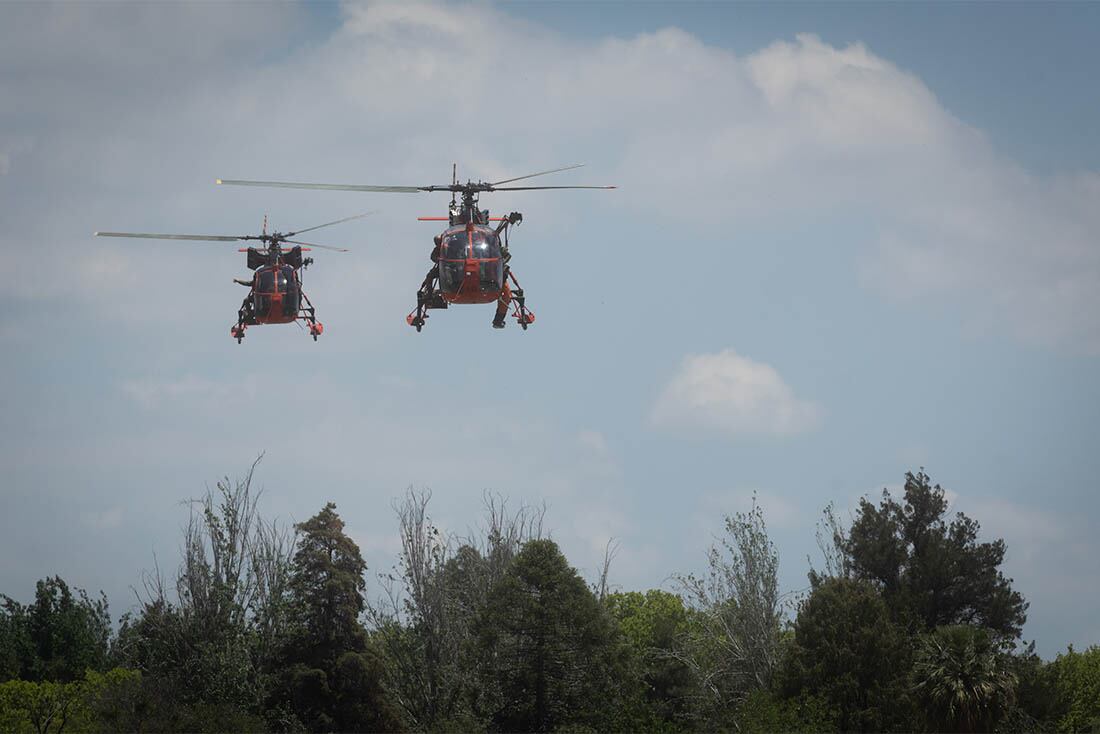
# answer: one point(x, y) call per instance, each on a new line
point(322, 247)
point(149, 236)
point(328, 224)
point(540, 188)
point(540, 173)
point(329, 187)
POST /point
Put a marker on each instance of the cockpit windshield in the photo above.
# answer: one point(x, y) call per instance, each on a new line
point(454, 246)
point(276, 280)
point(457, 245)
point(266, 278)
point(486, 245)
point(461, 250)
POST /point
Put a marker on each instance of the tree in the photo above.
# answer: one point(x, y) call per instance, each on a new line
point(1077, 676)
point(57, 637)
point(205, 640)
point(327, 585)
point(115, 701)
point(763, 712)
point(653, 625)
point(439, 586)
point(548, 647)
point(41, 707)
point(932, 573)
point(1037, 706)
point(332, 679)
point(734, 642)
point(961, 680)
point(847, 652)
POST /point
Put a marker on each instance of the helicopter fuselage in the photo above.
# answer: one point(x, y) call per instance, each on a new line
point(471, 264)
point(276, 294)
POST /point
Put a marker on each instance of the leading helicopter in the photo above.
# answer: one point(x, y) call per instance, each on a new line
point(275, 293)
point(470, 257)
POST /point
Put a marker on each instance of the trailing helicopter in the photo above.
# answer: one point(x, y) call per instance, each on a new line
point(275, 293)
point(470, 257)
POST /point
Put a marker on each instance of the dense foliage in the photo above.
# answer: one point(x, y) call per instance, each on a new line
point(932, 572)
point(911, 626)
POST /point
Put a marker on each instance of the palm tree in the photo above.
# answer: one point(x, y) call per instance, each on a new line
point(961, 679)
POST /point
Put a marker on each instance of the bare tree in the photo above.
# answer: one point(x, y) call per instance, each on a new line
point(734, 650)
point(832, 539)
point(424, 619)
point(215, 583)
point(230, 594)
point(411, 618)
point(270, 552)
point(609, 552)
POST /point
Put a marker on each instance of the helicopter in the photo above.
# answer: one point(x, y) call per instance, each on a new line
point(470, 257)
point(275, 293)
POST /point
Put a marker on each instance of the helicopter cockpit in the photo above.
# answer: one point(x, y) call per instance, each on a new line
point(276, 280)
point(478, 246)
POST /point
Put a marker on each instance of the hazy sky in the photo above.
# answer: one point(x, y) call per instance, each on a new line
point(849, 241)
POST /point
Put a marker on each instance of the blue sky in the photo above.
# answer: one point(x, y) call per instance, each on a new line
point(850, 240)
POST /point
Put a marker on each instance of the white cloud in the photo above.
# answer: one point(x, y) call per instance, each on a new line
point(799, 126)
point(108, 519)
point(734, 395)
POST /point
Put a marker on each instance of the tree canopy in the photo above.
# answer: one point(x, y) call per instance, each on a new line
point(911, 626)
point(549, 646)
point(932, 572)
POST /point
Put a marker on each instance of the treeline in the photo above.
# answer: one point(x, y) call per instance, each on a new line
point(909, 625)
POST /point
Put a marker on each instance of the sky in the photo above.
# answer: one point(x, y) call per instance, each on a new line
point(849, 241)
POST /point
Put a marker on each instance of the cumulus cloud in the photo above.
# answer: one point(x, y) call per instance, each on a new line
point(799, 126)
point(734, 395)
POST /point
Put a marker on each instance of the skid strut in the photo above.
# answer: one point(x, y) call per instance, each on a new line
point(520, 312)
point(309, 314)
point(427, 297)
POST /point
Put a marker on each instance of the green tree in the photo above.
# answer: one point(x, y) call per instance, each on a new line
point(847, 652)
point(16, 649)
point(327, 584)
point(114, 701)
point(653, 625)
point(1037, 706)
point(332, 678)
point(1077, 677)
point(763, 712)
point(961, 680)
point(39, 707)
point(932, 573)
point(57, 637)
point(549, 647)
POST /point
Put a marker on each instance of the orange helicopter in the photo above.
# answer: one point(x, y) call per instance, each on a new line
point(470, 256)
point(275, 290)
